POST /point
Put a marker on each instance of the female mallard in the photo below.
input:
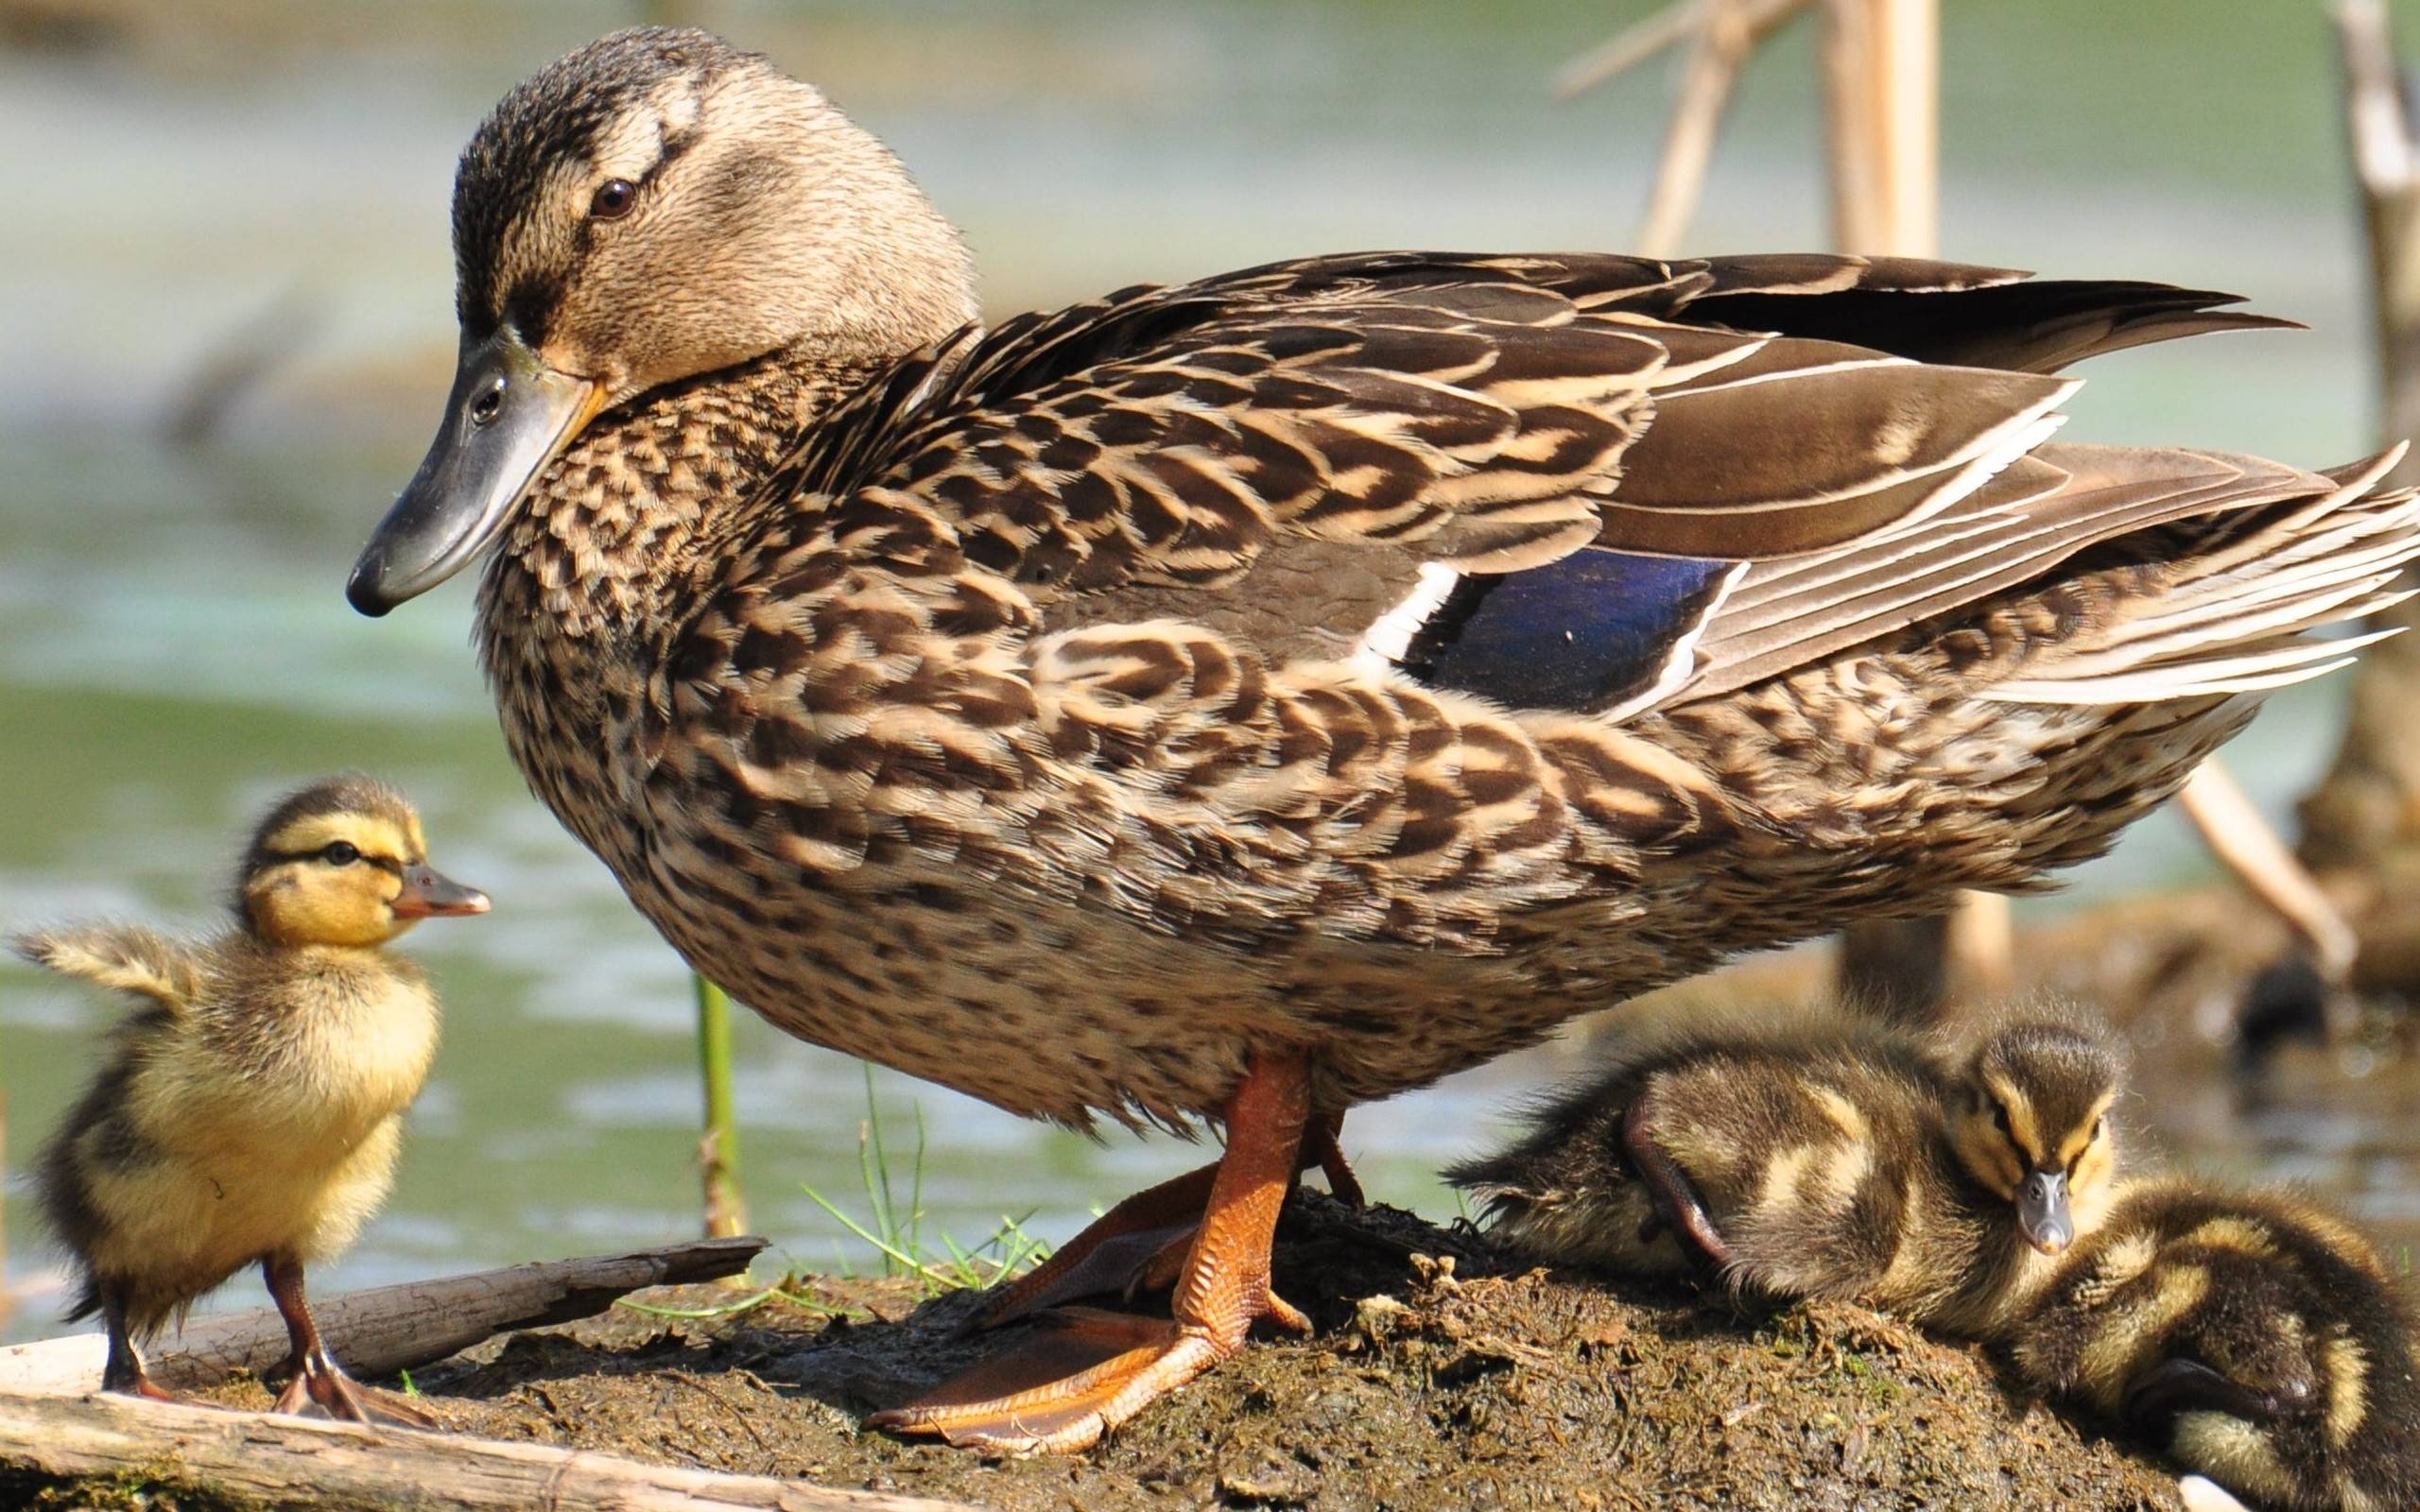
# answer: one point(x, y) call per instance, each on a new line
point(1249, 698)
point(251, 1111)
point(1824, 1157)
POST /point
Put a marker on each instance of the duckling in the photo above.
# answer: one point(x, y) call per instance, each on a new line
point(1840, 1159)
point(2259, 1338)
point(248, 1110)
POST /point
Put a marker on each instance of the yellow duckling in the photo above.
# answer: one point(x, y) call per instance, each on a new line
point(1830, 1157)
point(2258, 1338)
point(249, 1110)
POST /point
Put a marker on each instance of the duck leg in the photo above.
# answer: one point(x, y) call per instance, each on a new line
point(314, 1376)
point(1140, 1245)
point(1091, 1371)
point(125, 1373)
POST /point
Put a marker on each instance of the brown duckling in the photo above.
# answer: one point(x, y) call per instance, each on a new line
point(1831, 1158)
point(249, 1110)
point(2260, 1339)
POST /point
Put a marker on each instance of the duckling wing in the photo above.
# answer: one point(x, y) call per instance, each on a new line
point(1534, 478)
point(128, 959)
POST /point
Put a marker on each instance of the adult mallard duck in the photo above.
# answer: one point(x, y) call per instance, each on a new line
point(249, 1111)
point(1243, 699)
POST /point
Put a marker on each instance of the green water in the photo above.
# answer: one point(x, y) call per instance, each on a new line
point(174, 648)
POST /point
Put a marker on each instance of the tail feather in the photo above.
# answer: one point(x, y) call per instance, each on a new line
point(2242, 608)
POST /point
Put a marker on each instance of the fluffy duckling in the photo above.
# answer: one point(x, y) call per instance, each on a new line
point(249, 1110)
point(2257, 1337)
point(1834, 1157)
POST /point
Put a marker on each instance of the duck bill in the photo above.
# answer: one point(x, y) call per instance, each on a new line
point(428, 895)
point(2042, 1213)
point(507, 418)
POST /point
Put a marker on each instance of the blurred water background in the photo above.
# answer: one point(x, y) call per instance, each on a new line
point(187, 179)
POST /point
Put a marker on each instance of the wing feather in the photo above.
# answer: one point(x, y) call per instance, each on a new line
point(1856, 429)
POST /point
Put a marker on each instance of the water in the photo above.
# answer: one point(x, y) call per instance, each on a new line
point(174, 649)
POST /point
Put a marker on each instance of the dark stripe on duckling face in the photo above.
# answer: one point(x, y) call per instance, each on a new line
point(344, 863)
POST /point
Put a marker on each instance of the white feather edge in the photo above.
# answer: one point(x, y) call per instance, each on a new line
point(1388, 640)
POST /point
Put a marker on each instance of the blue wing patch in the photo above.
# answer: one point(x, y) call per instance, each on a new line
point(1589, 631)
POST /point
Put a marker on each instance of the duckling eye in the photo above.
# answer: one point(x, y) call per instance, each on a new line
point(612, 199)
point(1999, 1119)
point(340, 854)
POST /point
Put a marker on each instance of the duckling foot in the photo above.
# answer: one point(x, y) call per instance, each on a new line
point(1668, 1188)
point(124, 1374)
point(2172, 1387)
point(1140, 1245)
point(315, 1379)
point(318, 1383)
point(1090, 1370)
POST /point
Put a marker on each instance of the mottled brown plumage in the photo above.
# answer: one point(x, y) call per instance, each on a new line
point(2257, 1337)
point(1823, 1156)
point(1360, 664)
point(249, 1110)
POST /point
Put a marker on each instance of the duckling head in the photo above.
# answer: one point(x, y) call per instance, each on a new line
point(343, 863)
point(2032, 1125)
point(655, 206)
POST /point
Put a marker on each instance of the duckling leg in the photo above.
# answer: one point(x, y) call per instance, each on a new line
point(125, 1373)
point(1675, 1197)
point(1140, 1245)
point(1062, 1389)
point(315, 1376)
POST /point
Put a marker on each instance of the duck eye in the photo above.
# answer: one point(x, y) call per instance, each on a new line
point(490, 404)
point(1999, 1119)
point(612, 199)
point(340, 854)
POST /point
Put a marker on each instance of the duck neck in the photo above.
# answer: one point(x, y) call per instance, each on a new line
point(641, 495)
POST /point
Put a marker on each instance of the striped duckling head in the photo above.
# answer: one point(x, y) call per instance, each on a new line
point(2033, 1124)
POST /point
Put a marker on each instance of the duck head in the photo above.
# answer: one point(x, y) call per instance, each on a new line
point(343, 863)
point(656, 206)
point(2034, 1126)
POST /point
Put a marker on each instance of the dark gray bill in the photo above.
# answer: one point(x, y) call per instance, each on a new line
point(2042, 1212)
point(426, 894)
point(507, 415)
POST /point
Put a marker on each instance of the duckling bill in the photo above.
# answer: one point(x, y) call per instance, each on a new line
point(249, 1111)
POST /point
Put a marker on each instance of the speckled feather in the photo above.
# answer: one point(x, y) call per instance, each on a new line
point(864, 756)
point(1024, 709)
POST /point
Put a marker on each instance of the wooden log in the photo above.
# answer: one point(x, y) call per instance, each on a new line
point(283, 1462)
point(386, 1329)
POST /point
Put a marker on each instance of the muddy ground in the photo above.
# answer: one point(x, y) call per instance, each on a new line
point(1437, 1379)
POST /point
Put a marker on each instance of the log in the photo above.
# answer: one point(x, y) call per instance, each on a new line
point(283, 1462)
point(386, 1329)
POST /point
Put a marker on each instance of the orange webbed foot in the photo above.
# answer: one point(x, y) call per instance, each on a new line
point(1089, 1370)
